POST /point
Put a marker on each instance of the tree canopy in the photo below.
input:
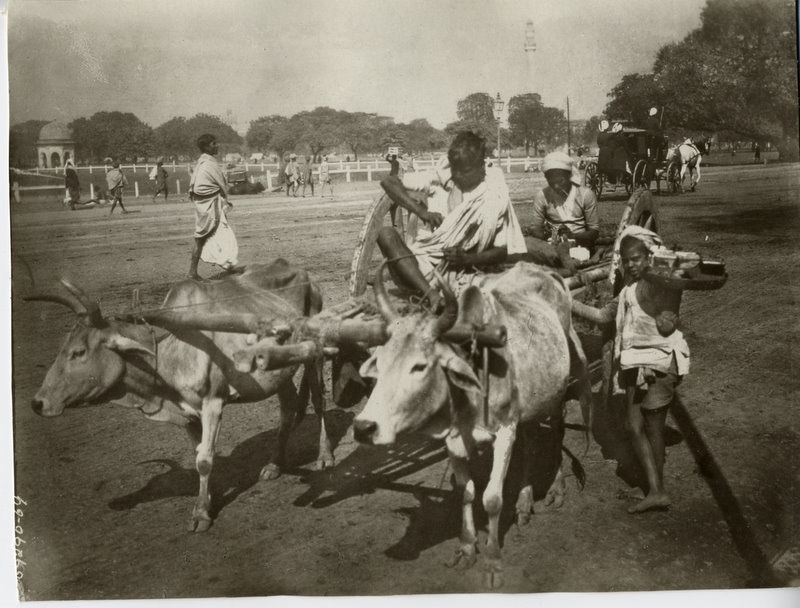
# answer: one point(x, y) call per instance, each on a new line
point(736, 73)
point(532, 123)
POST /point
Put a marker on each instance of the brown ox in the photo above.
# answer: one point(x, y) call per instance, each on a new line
point(187, 376)
point(425, 384)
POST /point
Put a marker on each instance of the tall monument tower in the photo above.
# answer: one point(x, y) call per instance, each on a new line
point(530, 48)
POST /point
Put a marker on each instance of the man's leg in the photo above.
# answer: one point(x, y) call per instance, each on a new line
point(656, 497)
point(655, 421)
point(404, 264)
point(198, 248)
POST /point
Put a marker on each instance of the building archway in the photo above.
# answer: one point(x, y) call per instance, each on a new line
point(43, 160)
point(55, 160)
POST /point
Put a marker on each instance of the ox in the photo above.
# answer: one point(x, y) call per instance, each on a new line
point(185, 377)
point(425, 384)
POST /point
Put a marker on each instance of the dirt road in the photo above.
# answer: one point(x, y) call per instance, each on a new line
point(108, 493)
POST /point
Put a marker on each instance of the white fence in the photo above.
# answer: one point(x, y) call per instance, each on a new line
point(359, 170)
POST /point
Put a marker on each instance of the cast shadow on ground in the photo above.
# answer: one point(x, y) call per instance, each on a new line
point(437, 517)
point(239, 471)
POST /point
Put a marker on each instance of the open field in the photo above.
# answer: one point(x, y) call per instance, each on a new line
point(108, 493)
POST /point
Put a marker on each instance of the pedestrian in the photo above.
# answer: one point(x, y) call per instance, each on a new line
point(650, 355)
point(308, 176)
point(116, 181)
point(756, 152)
point(161, 180)
point(208, 190)
point(324, 176)
point(13, 182)
point(72, 185)
point(292, 175)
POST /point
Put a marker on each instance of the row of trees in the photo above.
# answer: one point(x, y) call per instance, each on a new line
point(123, 135)
point(736, 76)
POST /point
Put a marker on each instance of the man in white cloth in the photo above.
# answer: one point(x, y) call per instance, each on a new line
point(208, 190)
point(469, 214)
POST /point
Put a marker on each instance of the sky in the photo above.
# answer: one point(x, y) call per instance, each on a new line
point(248, 58)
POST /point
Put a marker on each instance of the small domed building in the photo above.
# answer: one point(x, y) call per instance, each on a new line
point(55, 145)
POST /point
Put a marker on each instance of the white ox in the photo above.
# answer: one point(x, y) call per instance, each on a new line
point(187, 376)
point(425, 384)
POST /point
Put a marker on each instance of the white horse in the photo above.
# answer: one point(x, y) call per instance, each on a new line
point(689, 155)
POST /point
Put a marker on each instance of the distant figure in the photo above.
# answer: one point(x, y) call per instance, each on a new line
point(72, 185)
point(756, 152)
point(116, 181)
point(292, 175)
point(13, 183)
point(208, 190)
point(394, 165)
point(308, 176)
point(161, 181)
point(324, 177)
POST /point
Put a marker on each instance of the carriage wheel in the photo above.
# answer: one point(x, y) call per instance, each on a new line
point(639, 177)
point(673, 177)
point(593, 179)
point(367, 256)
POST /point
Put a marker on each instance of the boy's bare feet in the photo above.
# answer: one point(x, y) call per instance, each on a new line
point(651, 502)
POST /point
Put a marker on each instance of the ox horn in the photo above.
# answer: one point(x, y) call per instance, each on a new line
point(94, 317)
point(385, 307)
point(447, 319)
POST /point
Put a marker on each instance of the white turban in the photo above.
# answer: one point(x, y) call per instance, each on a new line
point(653, 111)
point(603, 125)
point(617, 127)
point(560, 160)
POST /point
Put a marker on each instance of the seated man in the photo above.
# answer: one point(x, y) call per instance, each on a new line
point(566, 206)
point(470, 215)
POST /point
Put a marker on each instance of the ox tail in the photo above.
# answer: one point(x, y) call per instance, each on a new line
point(302, 396)
point(576, 466)
point(581, 387)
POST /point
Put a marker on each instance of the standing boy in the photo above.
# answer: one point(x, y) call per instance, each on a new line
point(650, 354)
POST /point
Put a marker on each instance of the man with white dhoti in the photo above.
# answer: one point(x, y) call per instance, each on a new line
point(469, 215)
point(208, 190)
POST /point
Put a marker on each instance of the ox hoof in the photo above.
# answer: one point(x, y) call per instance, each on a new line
point(270, 472)
point(324, 463)
point(554, 499)
point(199, 523)
point(493, 577)
point(464, 558)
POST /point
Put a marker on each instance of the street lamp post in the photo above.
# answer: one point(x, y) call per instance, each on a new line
point(498, 108)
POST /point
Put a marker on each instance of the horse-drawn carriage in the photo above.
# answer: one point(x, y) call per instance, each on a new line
point(630, 158)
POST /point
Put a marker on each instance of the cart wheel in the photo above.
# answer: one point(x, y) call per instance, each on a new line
point(367, 256)
point(673, 177)
point(593, 179)
point(639, 177)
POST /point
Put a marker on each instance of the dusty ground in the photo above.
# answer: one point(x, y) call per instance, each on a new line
point(108, 493)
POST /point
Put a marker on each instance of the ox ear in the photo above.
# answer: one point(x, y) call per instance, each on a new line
point(369, 369)
point(459, 372)
point(120, 343)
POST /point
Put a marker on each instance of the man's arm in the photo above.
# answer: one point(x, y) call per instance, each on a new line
point(397, 192)
point(537, 227)
point(601, 316)
point(587, 238)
